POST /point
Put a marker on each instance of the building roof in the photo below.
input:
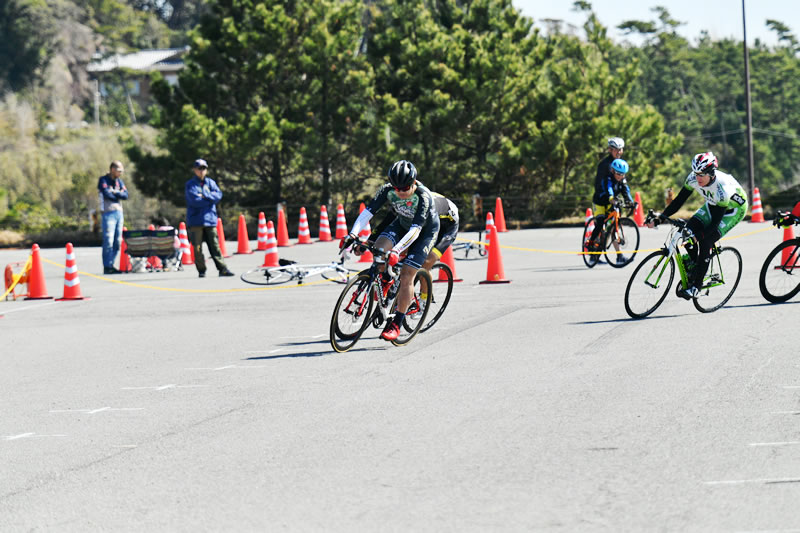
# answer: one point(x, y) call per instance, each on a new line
point(165, 59)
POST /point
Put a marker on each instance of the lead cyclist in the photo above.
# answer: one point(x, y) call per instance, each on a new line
point(726, 206)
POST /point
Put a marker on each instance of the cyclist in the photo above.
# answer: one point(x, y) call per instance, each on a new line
point(448, 231)
point(786, 219)
point(726, 206)
point(605, 199)
point(414, 230)
point(616, 146)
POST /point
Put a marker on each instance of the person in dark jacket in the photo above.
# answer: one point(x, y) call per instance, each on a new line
point(202, 196)
point(111, 189)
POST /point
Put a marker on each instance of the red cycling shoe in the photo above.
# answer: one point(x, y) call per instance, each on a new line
point(390, 332)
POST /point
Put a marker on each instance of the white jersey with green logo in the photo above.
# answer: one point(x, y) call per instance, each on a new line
point(724, 191)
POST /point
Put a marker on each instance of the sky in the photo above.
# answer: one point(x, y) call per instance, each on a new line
point(722, 18)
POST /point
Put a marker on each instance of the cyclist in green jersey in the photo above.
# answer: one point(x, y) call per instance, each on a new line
point(726, 206)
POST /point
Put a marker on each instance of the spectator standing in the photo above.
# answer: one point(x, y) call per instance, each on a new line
point(202, 196)
point(111, 189)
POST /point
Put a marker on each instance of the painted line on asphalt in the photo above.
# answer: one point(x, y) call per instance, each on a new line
point(163, 387)
point(95, 411)
point(30, 435)
point(766, 481)
point(784, 443)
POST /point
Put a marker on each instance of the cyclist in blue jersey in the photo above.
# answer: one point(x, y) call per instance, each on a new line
point(605, 199)
point(413, 231)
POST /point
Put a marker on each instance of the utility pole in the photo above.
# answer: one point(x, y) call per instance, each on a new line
point(750, 165)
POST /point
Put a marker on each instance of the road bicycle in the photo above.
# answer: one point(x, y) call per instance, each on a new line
point(470, 249)
point(780, 279)
point(371, 288)
point(293, 271)
point(650, 282)
point(442, 277)
point(618, 238)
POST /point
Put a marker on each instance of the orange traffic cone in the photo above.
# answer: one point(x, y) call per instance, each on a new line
point(271, 256)
point(72, 283)
point(494, 270)
point(324, 226)
point(303, 233)
point(447, 259)
point(36, 287)
point(221, 238)
point(786, 253)
point(589, 228)
point(341, 222)
point(187, 251)
point(283, 231)
point(638, 213)
point(242, 239)
point(500, 222)
point(756, 213)
point(124, 258)
point(489, 222)
point(154, 261)
point(363, 236)
point(262, 232)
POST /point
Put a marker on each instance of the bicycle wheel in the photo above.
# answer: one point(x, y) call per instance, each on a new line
point(269, 275)
point(417, 310)
point(721, 280)
point(628, 241)
point(780, 278)
point(352, 313)
point(339, 275)
point(442, 277)
point(482, 251)
point(649, 284)
point(590, 259)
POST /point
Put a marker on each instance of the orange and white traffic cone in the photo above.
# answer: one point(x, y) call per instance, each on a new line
point(221, 237)
point(36, 286)
point(489, 222)
point(494, 270)
point(303, 232)
point(187, 251)
point(72, 283)
point(283, 231)
point(324, 225)
point(638, 213)
point(448, 259)
point(242, 239)
point(271, 256)
point(363, 236)
point(756, 213)
point(500, 221)
point(124, 258)
point(341, 222)
point(262, 232)
point(589, 228)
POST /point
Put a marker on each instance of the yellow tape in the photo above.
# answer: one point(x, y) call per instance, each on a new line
point(540, 250)
point(171, 289)
point(18, 277)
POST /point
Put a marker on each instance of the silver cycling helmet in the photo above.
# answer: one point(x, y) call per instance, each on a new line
point(616, 142)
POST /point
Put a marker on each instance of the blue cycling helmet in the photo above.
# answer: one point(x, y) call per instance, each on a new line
point(620, 166)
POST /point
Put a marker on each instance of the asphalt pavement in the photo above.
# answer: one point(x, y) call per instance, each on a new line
point(167, 402)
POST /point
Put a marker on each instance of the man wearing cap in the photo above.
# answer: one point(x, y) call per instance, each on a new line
point(202, 196)
point(111, 189)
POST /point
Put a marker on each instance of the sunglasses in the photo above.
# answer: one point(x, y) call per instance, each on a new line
point(619, 173)
point(203, 168)
point(404, 189)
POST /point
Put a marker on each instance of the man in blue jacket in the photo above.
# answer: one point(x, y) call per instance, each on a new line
point(202, 197)
point(111, 189)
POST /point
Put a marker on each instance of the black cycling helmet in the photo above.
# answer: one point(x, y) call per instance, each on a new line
point(403, 174)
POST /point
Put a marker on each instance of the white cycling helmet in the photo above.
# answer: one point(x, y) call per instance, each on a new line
point(704, 163)
point(616, 142)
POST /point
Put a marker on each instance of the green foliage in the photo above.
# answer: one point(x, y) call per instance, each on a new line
point(27, 31)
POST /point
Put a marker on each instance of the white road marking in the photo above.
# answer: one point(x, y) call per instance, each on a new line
point(764, 480)
point(94, 411)
point(786, 412)
point(30, 436)
point(163, 387)
point(227, 367)
point(785, 443)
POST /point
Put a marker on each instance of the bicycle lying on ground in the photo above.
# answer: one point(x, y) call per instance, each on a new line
point(292, 271)
point(650, 282)
point(371, 288)
point(618, 238)
point(780, 280)
point(463, 249)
